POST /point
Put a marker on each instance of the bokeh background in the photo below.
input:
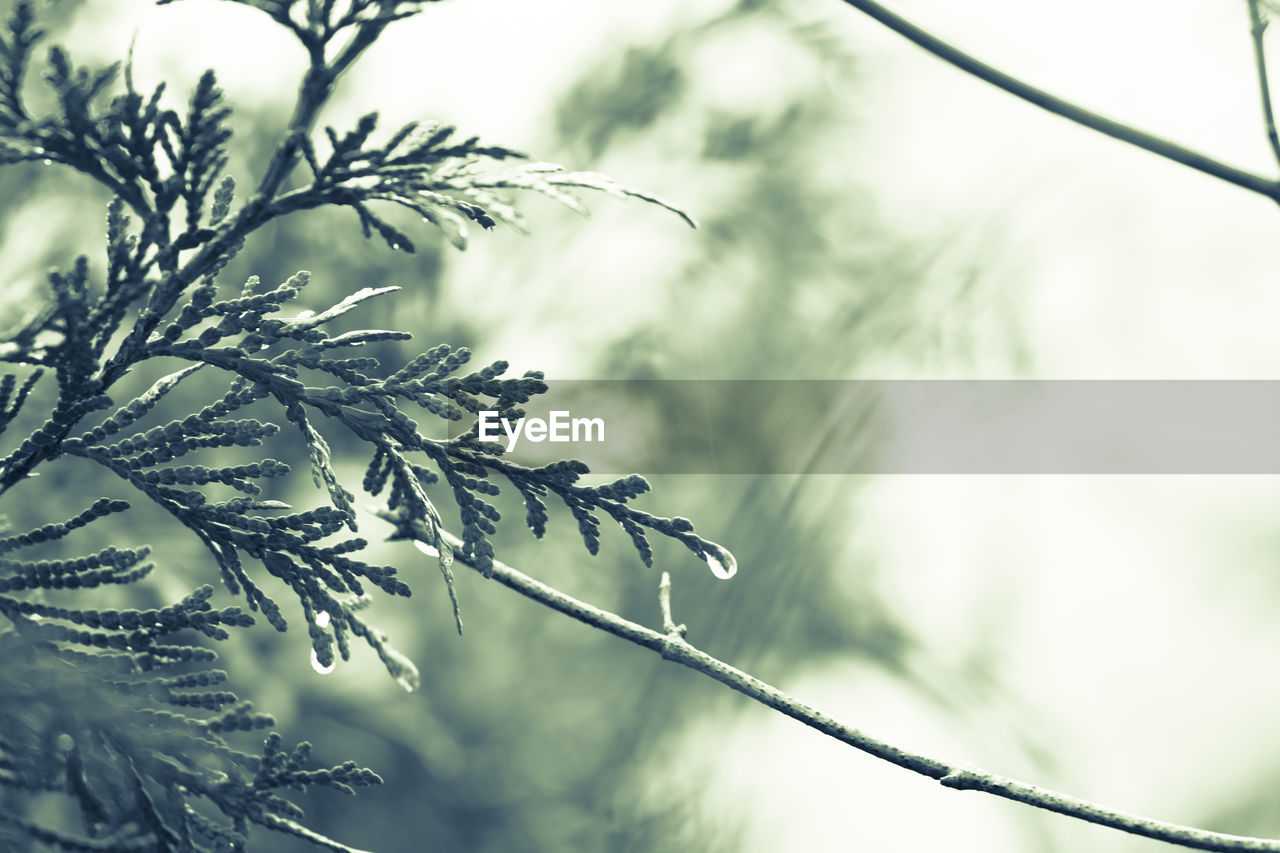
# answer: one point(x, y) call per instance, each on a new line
point(866, 212)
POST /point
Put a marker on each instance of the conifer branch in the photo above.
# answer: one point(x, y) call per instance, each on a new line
point(1068, 110)
point(152, 159)
point(671, 645)
point(166, 170)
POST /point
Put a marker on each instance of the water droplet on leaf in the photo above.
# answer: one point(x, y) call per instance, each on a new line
point(425, 548)
point(722, 564)
point(322, 621)
point(319, 667)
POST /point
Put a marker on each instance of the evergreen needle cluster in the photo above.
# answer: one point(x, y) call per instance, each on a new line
point(118, 711)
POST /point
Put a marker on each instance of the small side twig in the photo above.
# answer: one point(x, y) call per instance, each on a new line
point(671, 645)
point(1257, 29)
point(664, 603)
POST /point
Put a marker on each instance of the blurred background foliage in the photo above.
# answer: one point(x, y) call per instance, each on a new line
point(532, 732)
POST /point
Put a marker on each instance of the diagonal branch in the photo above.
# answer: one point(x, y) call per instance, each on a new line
point(1068, 110)
point(672, 646)
point(1257, 28)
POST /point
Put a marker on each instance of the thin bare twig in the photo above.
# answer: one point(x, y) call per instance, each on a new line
point(672, 646)
point(1257, 29)
point(664, 604)
point(1068, 110)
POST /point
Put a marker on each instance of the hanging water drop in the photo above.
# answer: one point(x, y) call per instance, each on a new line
point(322, 621)
point(319, 667)
point(722, 563)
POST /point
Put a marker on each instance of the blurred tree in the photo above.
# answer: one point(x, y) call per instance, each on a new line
point(791, 275)
point(533, 734)
point(758, 175)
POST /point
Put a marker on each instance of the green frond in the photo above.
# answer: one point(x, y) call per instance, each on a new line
point(15, 55)
point(149, 753)
point(10, 402)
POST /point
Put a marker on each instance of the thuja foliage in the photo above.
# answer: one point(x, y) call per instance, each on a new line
point(118, 712)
